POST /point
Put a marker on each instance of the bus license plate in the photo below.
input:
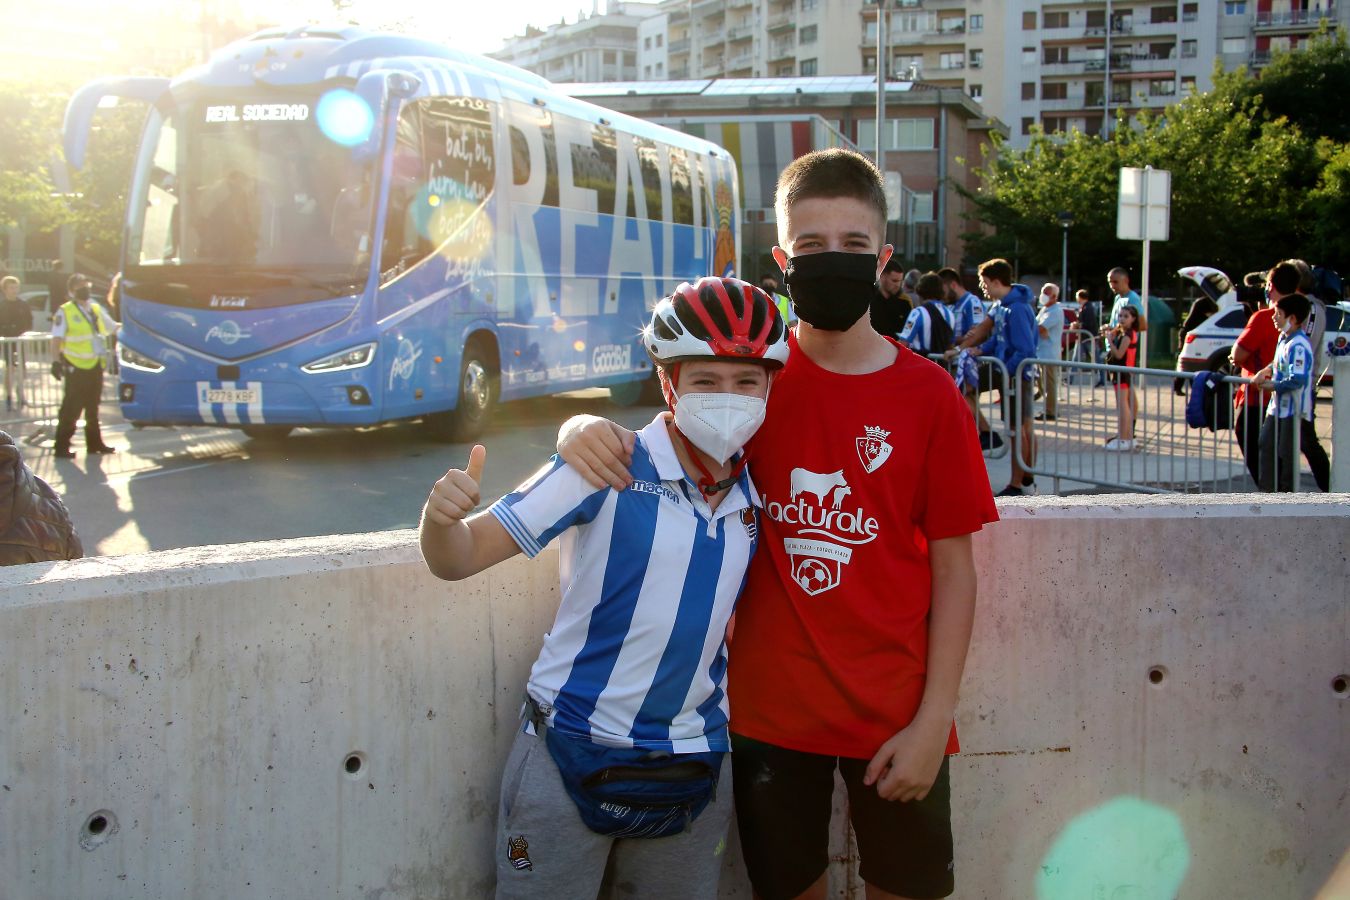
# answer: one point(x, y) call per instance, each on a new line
point(230, 395)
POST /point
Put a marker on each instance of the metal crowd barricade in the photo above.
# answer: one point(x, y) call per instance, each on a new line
point(1167, 456)
point(988, 406)
point(32, 395)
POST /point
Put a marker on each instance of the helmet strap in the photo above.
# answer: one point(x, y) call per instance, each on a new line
point(706, 485)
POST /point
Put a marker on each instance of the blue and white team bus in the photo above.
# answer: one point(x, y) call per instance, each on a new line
point(333, 227)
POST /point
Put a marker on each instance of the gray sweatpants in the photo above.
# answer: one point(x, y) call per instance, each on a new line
point(545, 850)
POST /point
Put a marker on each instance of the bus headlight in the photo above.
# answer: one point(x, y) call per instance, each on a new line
point(138, 361)
point(351, 358)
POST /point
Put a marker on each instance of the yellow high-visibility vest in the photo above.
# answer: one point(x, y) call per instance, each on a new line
point(78, 345)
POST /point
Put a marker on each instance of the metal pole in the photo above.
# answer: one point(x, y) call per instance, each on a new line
point(1143, 284)
point(1106, 95)
point(881, 83)
point(1064, 267)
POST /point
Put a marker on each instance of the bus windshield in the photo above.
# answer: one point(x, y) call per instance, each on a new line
point(249, 190)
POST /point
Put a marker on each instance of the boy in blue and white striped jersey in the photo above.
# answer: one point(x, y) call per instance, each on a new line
point(631, 680)
point(1290, 378)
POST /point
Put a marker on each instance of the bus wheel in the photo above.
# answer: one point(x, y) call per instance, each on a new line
point(478, 392)
point(268, 432)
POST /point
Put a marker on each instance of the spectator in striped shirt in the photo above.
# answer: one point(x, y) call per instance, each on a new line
point(629, 691)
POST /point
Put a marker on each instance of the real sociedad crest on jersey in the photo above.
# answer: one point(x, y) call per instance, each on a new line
point(873, 449)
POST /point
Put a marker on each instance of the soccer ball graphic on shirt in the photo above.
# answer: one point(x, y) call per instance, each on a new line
point(814, 575)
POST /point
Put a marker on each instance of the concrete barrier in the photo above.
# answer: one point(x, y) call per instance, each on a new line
point(321, 718)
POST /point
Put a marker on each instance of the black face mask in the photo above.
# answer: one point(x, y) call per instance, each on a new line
point(831, 291)
point(82, 292)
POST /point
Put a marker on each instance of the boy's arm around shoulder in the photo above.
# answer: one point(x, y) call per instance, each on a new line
point(600, 450)
point(454, 547)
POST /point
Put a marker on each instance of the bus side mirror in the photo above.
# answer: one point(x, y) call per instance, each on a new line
point(383, 92)
point(82, 106)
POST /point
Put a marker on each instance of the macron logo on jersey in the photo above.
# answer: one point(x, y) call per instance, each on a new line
point(651, 487)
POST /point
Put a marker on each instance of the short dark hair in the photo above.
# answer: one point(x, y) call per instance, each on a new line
point(947, 273)
point(76, 279)
point(894, 265)
point(997, 269)
point(929, 286)
point(1307, 284)
point(1285, 277)
point(1295, 306)
point(829, 174)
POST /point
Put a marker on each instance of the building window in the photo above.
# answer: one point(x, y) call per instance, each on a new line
point(1055, 55)
point(1056, 20)
point(900, 134)
point(1235, 8)
point(808, 66)
point(660, 69)
point(1162, 87)
point(647, 43)
point(1027, 122)
point(921, 206)
point(976, 59)
point(1187, 85)
point(1096, 18)
point(1190, 12)
point(808, 5)
point(1235, 45)
point(977, 22)
point(1029, 21)
point(1028, 56)
point(1053, 124)
point(630, 58)
point(1055, 90)
point(608, 57)
point(1163, 15)
point(1189, 50)
point(869, 64)
point(976, 92)
point(807, 35)
point(1028, 90)
point(955, 60)
point(646, 71)
point(660, 40)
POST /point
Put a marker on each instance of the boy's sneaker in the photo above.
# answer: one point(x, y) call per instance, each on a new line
point(1010, 491)
point(990, 441)
point(1120, 445)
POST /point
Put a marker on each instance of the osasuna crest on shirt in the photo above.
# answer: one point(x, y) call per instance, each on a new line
point(872, 447)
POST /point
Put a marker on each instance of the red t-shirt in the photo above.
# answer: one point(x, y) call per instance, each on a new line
point(857, 473)
point(1259, 338)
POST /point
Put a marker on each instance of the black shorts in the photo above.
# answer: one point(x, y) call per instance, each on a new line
point(783, 802)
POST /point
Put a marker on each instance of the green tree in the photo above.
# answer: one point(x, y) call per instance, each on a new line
point(32, 117)
point(1305, 86)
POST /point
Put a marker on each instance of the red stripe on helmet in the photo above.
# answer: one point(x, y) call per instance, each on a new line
point(739, 343)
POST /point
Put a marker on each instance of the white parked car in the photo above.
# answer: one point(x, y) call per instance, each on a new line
point(1208, 346)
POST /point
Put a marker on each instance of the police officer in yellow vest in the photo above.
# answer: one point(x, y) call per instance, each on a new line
point(81, 330)
point(770, 285)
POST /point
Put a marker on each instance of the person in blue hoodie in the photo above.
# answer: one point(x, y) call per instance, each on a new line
point(1014, 339)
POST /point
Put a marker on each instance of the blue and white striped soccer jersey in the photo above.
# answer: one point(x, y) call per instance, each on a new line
point(1293, 370)
point(918, 331)
point(650, 576)
point(969, 312)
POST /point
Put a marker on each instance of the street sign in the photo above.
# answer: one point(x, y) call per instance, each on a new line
point(1144, 210)
point(891, 182)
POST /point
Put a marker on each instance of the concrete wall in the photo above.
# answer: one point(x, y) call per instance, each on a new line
point(206, 703)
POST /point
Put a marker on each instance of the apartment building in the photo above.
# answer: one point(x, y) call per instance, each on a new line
point(1059, 64)
point(596, 47)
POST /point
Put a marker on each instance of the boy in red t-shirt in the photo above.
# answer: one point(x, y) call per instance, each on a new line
point(852, 630)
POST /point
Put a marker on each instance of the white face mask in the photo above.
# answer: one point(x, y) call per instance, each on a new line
point(719, 424)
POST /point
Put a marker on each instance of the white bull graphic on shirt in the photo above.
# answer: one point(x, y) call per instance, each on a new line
point(806, 481)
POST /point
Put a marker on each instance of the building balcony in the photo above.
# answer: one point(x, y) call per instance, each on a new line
point(1259, 58)
point(677, 16)
point(1100, 30)
point(680, 46)
point(780, 50)
point(1294, 20)
point(739, 4)
point(741, 32)
point(740, 61)
point(780, 22)
point(679, 74)
point(703, 7)
point(713, 36)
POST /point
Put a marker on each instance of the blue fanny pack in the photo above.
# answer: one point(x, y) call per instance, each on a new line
point(631, 792)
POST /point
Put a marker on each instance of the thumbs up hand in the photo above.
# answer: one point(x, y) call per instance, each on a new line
point(456, 494)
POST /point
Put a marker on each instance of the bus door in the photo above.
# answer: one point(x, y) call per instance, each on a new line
point(438, 278)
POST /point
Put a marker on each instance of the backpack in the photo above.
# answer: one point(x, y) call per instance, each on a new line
point(1210, 404)
point(939, 329)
